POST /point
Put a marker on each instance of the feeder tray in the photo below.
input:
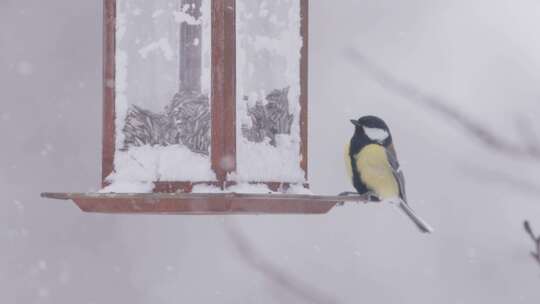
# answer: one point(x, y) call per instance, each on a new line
point(204, 203)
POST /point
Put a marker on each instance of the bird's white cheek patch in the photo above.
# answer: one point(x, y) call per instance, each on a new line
point(376, 134)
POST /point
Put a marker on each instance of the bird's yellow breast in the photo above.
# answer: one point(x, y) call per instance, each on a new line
point(376, 172)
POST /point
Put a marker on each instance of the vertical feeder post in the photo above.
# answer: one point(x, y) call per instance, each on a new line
point(109, 80)
point(304, 31)
point(223, 89)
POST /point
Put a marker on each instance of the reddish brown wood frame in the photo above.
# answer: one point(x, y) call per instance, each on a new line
point(109, 80)
point(223, 95)
point(223, 88)
point(205, 203)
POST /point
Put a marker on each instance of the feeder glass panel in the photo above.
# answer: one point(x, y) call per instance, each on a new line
point(268, 50)
point(162, 107)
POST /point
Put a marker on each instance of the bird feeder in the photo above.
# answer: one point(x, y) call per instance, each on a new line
point(200, 98)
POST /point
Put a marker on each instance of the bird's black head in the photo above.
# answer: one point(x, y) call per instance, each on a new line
point(372, 129)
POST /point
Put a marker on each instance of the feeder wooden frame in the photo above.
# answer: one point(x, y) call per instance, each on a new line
point(174, 197)
point(223, 97)
point(205, 203)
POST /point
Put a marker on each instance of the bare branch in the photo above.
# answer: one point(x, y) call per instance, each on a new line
point(529, 137)
point(496, 176)
point(535, 239)
point(281, 278)
point(409, 92)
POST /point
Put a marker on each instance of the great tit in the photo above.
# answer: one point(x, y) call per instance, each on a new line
point(374, 168)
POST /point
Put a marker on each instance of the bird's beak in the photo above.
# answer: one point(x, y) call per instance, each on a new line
point(355, 122)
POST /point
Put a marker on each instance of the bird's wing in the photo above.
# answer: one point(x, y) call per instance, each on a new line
point(398, 173)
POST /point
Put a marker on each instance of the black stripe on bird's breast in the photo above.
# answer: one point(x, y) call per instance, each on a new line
point(356, 179)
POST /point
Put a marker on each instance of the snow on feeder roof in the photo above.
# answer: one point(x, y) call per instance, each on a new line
point(200, 97)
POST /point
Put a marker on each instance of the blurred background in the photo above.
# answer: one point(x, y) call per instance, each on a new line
point(457, 81)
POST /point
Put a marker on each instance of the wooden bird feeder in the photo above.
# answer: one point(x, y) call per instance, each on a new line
point(204, 99)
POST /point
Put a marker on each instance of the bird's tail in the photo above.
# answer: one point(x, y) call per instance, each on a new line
point(420, 223)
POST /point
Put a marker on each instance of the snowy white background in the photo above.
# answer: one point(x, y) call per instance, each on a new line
point(482, 56)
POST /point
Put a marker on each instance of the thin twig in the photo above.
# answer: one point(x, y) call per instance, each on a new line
point(409, 92)
point(281, 278)
point(535, 239)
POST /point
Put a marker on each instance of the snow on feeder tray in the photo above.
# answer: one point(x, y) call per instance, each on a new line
point(204, 100)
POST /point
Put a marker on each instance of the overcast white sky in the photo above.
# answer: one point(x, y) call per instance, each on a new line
point(482, 57)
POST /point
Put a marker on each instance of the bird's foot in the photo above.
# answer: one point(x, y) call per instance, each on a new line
point(372, 197)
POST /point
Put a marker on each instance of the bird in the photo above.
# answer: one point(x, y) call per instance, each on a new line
point(373, 166)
